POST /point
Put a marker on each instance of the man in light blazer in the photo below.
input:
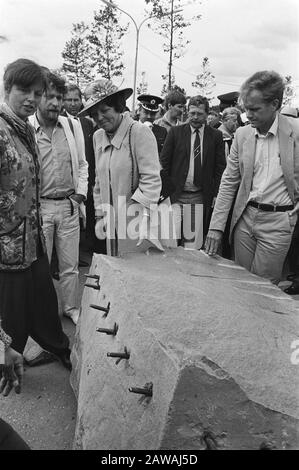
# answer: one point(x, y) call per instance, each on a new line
point(263, 170)
point(64, 178)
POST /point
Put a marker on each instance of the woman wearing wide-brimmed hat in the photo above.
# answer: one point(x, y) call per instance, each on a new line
point(127, 172)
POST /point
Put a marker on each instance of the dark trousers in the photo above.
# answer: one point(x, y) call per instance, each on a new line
point(94, 244)
point(293, 254)
point(10, 439)
point(29, 307)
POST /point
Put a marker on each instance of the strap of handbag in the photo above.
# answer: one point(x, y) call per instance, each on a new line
point(132, 158)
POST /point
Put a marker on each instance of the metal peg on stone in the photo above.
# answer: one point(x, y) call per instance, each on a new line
point(119, 355)
point(102, 309)
point(109, 331)
point(93, 276)
point(147, 390)
point(96, 286)
point(210, 441)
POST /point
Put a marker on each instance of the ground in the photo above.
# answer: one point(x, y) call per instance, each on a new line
point(45, 412)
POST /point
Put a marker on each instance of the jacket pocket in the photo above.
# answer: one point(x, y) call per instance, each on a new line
point(12, 245)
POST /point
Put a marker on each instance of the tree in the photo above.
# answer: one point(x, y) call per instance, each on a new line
point(105, 36)
point(171, 28)
point(205, 80)
point(289, 92)
point(76, 56)
point(143, 85)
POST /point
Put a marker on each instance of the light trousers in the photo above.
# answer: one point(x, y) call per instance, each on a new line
point(63, 229)
point(262, 240)
point(188, 219)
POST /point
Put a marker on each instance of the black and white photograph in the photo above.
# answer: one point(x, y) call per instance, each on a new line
point(149, 228)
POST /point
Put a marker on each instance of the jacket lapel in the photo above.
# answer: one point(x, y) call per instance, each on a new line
point(286, 153)
point(248, 157)
point(187, 139)
point(205, 145)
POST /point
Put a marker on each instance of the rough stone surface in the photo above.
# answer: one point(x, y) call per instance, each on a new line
point(213, 339)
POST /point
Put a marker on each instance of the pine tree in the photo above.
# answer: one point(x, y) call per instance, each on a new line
point(289, 92)
point(76, 56)
point(105, 36)
point(205, 80)
point(170, 24)
point(143, 85)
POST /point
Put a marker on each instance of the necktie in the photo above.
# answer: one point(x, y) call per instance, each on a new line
point(197, 179)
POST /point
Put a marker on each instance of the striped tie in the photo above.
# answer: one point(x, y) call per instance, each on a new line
point(197, 179)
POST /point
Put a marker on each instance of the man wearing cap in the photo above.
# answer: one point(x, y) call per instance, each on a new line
point(148, 109)
point(193, 156)
point(64, 175)
point(263, 173)
point(175, 103)
point(228, 100)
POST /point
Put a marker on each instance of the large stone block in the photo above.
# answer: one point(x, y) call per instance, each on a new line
point(212, 339)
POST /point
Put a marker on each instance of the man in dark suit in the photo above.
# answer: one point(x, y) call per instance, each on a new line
point(193, 156)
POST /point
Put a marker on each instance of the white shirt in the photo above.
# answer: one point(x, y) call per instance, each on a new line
point(268, 184)
point(189, 185)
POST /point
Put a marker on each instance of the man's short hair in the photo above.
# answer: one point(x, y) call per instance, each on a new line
point(232, 111)
point(174, 97)
point(214, 113)
point(56, 81)
point(199, 100)
point(23, 73)
point(269, 83)
point(73, 87)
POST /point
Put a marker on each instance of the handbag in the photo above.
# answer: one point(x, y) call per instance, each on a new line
point(168, 186)
point(164, 224)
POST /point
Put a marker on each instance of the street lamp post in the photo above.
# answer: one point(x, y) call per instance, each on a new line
point(113, 5)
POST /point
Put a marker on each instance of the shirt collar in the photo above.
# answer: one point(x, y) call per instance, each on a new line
point(273, 129)
point(201, 129)
point(119, 135)
point(37, 126)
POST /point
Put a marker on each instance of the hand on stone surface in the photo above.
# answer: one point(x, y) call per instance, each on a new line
point(147, 231)
point(100, 228)
point(11, 372)
point(212, 242)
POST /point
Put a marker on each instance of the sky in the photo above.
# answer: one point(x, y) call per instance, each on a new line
point(239, 37)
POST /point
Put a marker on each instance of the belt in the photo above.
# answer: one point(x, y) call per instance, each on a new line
point(61, 199)
point(269, 207)
point(56, 198)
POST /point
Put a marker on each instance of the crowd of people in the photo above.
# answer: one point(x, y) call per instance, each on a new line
point(229, 178)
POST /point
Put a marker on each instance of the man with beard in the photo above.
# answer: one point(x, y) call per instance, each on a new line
point(64, 175)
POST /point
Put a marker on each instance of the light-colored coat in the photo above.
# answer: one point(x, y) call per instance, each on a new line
point(122, 180)
point(239, 171)
point(114, 166)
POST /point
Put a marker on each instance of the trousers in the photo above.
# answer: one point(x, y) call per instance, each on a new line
point(188, 219)
point(29, 307)
point(62, 228)
point(262, 240)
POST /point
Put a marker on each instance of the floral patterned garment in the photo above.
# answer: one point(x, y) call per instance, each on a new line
point(20, 226)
